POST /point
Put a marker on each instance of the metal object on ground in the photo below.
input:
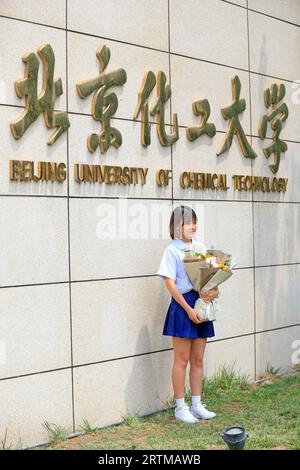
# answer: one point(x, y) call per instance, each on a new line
point(235, 437)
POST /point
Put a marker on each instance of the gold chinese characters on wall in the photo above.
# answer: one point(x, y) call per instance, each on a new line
point(105, 105)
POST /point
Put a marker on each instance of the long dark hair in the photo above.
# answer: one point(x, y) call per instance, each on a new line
point(181, 215)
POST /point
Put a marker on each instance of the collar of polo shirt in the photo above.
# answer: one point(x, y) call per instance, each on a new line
point(180, 244)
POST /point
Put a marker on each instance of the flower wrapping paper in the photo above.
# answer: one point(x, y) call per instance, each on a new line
point(206, 271)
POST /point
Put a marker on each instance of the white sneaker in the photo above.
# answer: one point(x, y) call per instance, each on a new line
point(183, 414)
point(199, 411)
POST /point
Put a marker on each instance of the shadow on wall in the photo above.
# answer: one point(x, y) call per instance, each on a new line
point(141, 393)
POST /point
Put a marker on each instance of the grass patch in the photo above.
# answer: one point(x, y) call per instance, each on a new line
point(131, 420)
point(56, 434)
point(4, 444)
point(270, 412)
point(87, 428)
point(225, 379)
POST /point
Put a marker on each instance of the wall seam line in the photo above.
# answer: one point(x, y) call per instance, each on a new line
point(68, 223)
point(229, 338)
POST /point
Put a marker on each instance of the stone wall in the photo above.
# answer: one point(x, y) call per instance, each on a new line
point(81, 316)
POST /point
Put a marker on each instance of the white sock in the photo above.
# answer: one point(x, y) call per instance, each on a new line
point(196, 399)
point(179, 402)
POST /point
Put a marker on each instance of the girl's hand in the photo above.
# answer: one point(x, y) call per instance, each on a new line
point(210, 295)
point(194, 317)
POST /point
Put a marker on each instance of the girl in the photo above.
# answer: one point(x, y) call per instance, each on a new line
point(188, 331)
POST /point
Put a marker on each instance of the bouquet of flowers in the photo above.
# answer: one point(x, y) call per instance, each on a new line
point(206, 271)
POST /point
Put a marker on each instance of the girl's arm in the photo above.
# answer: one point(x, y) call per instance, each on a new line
point(177, 295)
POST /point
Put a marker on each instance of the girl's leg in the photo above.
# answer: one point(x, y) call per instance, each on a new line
point(196, 365)
point(196, 373)
point(182, 348)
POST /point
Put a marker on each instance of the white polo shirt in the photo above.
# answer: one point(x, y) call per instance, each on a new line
point(172, 266)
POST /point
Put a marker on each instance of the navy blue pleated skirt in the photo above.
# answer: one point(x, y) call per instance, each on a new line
point(178, 324)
